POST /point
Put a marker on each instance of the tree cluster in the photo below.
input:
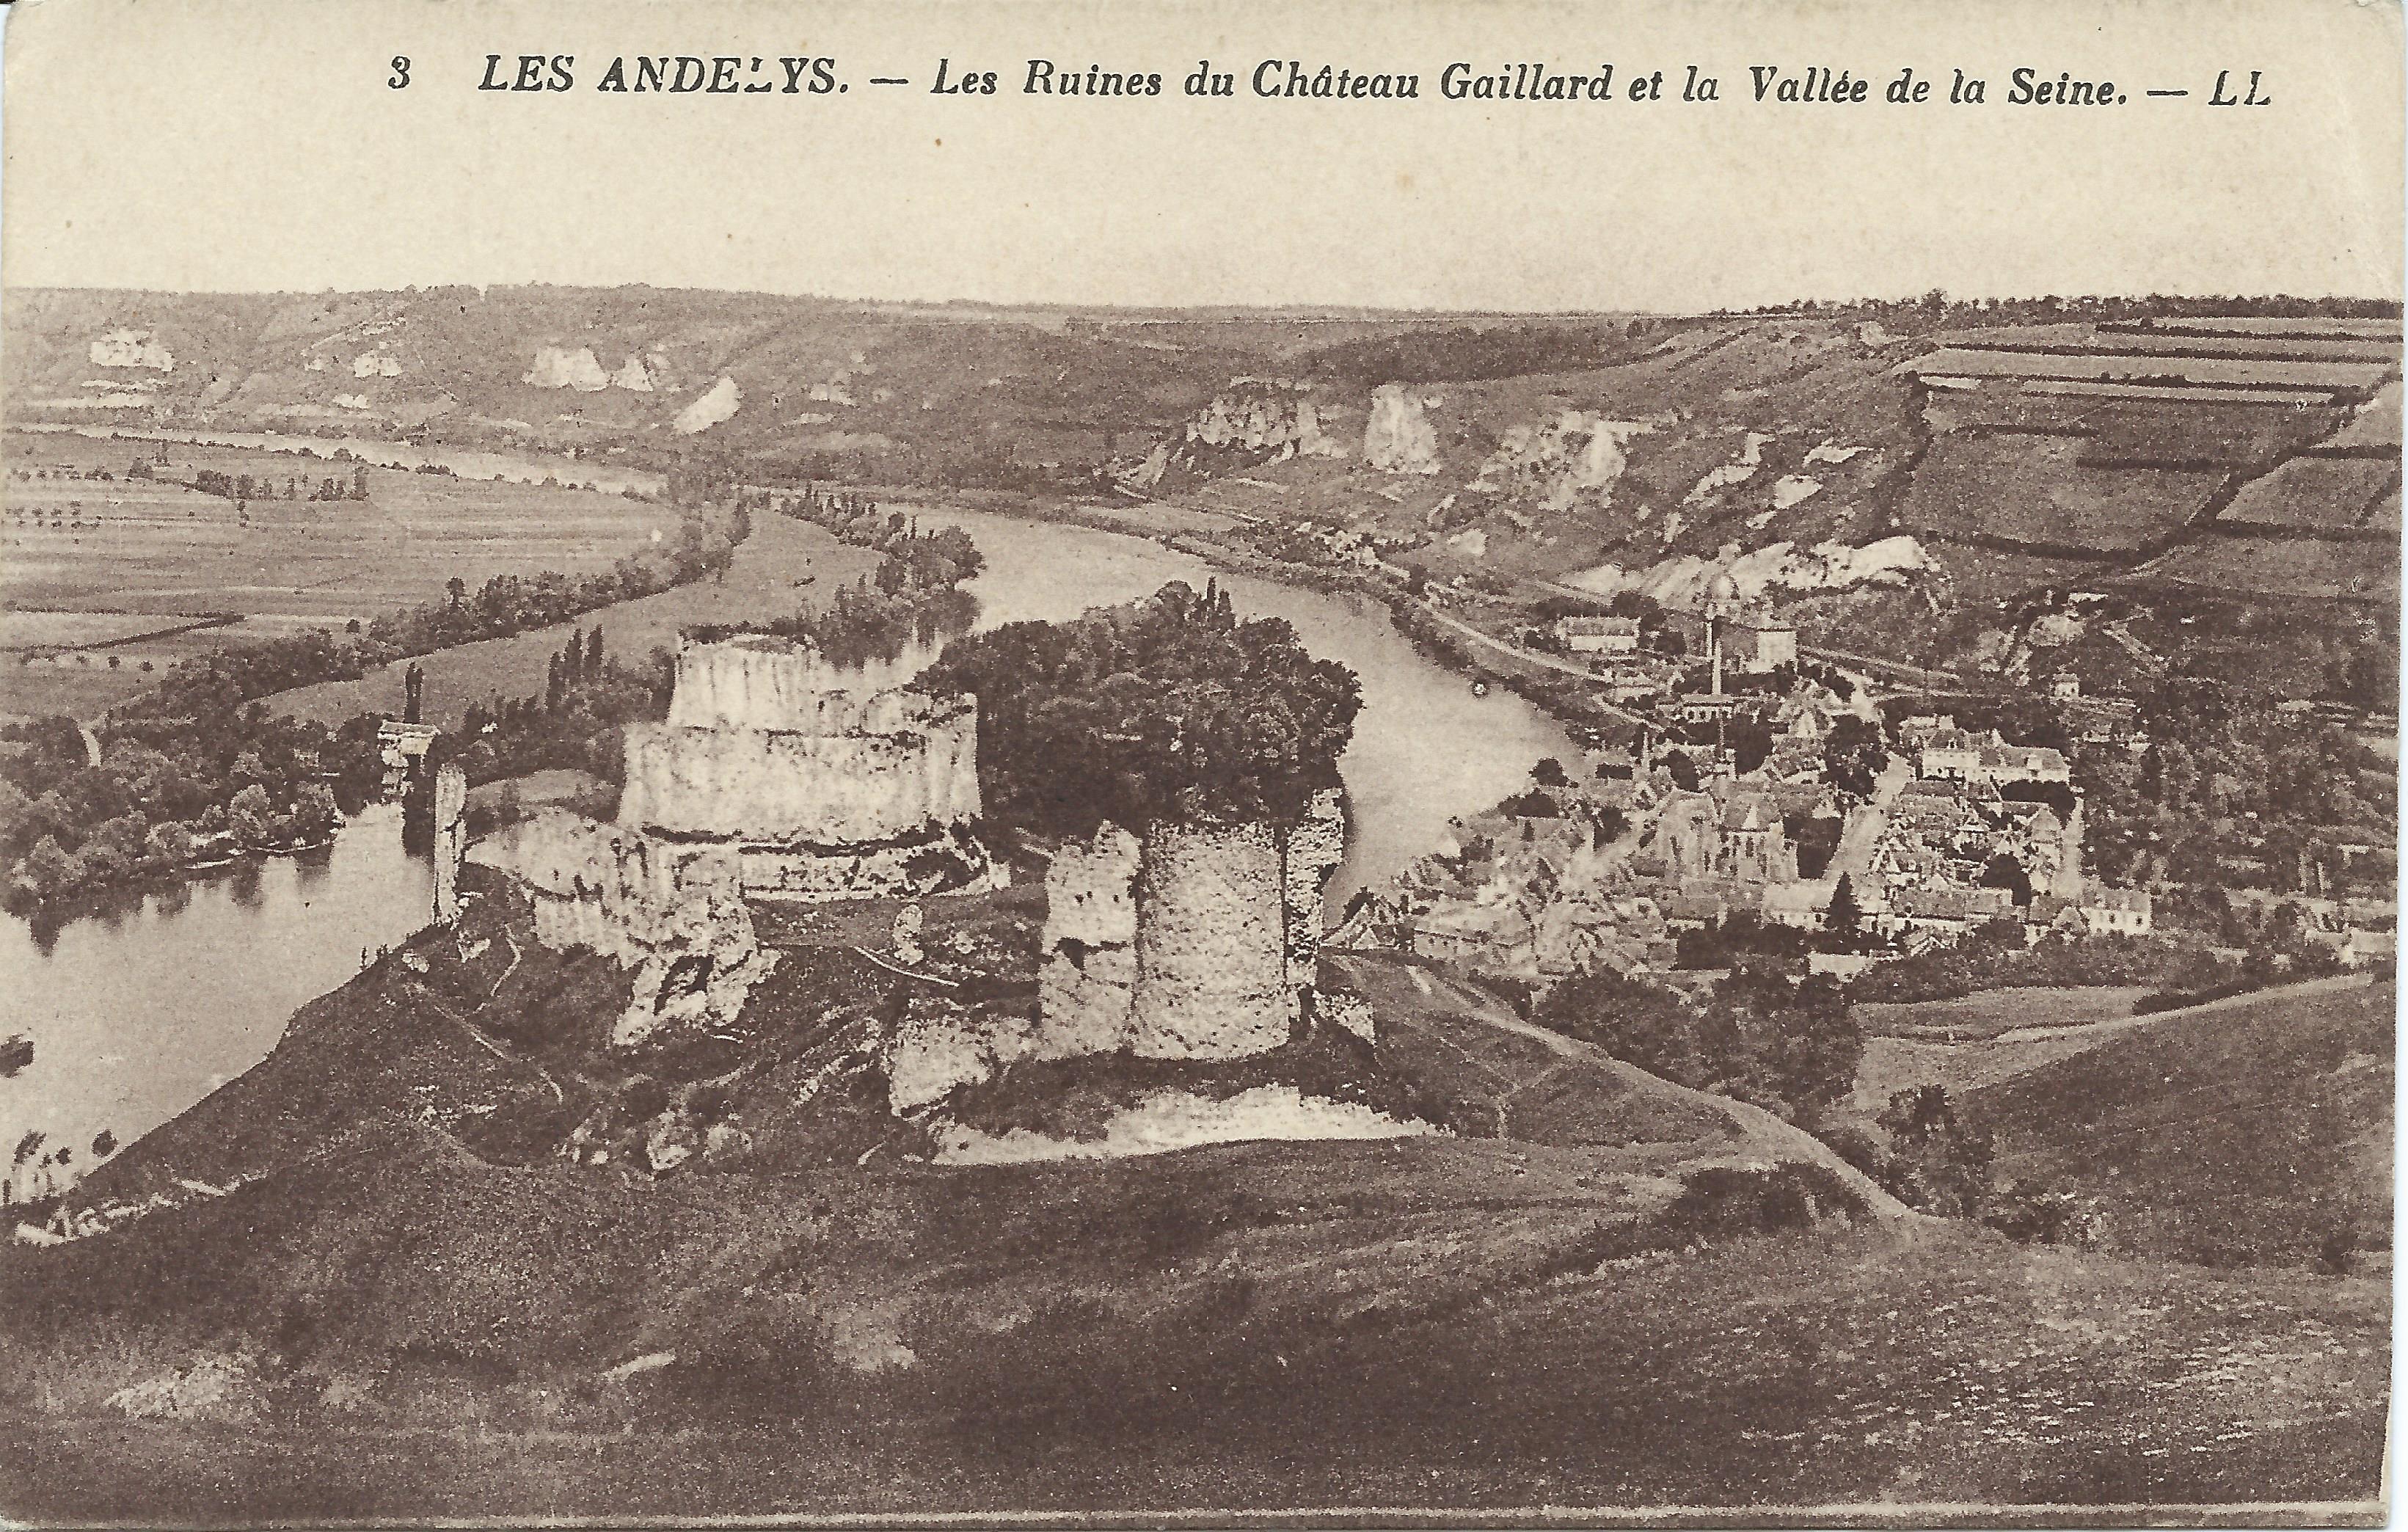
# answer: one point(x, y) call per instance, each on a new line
point(165, 791)
point(1788, 1045)
point(1167, 708)
point(197, 766)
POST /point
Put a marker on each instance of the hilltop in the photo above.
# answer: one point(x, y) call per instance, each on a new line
point(1613, 1300)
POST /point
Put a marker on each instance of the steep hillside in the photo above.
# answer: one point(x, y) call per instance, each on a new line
point(2254, 1133)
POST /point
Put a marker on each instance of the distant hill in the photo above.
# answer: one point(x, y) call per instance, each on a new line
point(1885, 477)
point(2252, 1134)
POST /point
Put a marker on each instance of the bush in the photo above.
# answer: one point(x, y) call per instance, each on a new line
point(1718, 1201)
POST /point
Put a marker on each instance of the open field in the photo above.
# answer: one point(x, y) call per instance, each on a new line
point(1985, 1013)
point(2315, 568)
point(2036, 490)
point(2314, 495)
point(125, 553)
point(2377, 424)
point(2243, 324)
point(2082, 339)
point(2137, 366)
point(780, 568)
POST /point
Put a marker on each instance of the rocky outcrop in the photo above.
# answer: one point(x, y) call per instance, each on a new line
point(556, 367)
point(718, 403)
point(1265, 417)
point(1164, 1121)
point(1399, 437)
point(940, 1048)
point(1776, 568)
point(1555, 463)
point(822, 789)
point(672, 913)
point(1738, 471)
point(132, 349)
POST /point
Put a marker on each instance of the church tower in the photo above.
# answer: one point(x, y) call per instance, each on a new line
point(1722, 604)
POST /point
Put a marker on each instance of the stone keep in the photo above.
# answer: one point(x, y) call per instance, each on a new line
point(1212, 944)
point(825, 788)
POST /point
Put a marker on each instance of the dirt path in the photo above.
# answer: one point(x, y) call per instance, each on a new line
point(1759, 1131)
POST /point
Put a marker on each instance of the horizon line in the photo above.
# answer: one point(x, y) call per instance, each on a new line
point(1291, 308)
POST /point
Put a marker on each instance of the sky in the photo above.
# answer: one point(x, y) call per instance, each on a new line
point(257, 145)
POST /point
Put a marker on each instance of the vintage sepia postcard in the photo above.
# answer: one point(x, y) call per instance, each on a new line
point(1458, 763)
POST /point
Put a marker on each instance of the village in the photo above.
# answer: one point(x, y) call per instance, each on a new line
point(1758, 800)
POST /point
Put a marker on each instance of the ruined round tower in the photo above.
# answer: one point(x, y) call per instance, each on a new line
point(1190, 941)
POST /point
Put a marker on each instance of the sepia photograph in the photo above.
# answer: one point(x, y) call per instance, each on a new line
point(1469, 762)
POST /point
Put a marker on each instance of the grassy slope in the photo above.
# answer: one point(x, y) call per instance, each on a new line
point(2247, 1134)
point(1432, 1321)
point(1986, 1013)
point(1344, 1343)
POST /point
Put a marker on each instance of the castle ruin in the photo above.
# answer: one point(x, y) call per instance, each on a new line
point(672, 913)
point(825, 789)
point(1192, 941)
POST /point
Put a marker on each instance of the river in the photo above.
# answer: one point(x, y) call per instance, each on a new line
point(144, 1004)
point(142, 1008)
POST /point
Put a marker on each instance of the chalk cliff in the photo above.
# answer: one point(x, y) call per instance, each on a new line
point(557, 366)
point(1399, 437)
point(1558, 462)
point(718, 403)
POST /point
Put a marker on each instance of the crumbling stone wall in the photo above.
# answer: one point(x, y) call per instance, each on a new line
point(451, 839)
point(674, 914)
point(757, 680)
point(1086, 979)
point(1315, 847)
point(910, 768)
point(831, 787)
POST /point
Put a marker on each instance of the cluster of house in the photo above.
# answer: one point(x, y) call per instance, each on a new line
point(1628, 672)
point(1962, 830)
point(1353, 546)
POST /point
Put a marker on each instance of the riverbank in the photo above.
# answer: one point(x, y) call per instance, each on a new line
point(1564, 698)
point(120, 893)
